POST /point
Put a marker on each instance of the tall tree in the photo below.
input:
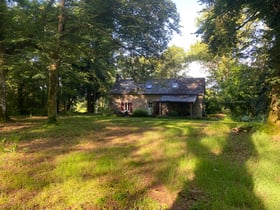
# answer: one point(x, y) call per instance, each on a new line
point(87, 33)
point(172, 61)
point(225, 21)
point(234, 84)
point(168, 65)
point(3, 99)
point(54, 67)
point(144, 29)
point(133, 28)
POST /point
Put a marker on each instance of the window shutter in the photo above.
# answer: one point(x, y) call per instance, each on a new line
point(122, 106)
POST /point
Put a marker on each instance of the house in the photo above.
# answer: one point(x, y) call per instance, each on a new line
point(182, 97)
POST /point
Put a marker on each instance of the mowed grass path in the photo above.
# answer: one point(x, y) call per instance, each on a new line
point(90, 162)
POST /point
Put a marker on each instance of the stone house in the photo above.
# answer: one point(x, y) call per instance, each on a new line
point(181, 97)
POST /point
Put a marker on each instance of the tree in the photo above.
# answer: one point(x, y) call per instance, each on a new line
point(167, 65)
point(144, 29)
point(77, 53)
point(233, 84)
point(172, 61)
point(3, 99)
point(225, 22)
point(136, 27)
point(53, 67)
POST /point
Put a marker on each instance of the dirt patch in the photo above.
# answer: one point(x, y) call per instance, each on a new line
point(20, 124)
point(163, 195)
point(216, 116)
point(192, 198)
point(14, 126)
point(276, 138)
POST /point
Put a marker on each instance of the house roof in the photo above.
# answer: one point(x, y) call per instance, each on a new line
point(181, 86)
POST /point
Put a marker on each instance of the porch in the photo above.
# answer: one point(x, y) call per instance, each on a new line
point(174, 106)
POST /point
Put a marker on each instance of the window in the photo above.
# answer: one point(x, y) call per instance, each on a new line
point(149, 86)
point(126, 107)
point(175, 85)
point(150, 104)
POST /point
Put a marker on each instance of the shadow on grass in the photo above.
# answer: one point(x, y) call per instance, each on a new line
point(127, 163)
point(221, 179)
point(95, 152)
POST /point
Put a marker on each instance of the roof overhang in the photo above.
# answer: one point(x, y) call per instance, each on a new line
point(182, 99)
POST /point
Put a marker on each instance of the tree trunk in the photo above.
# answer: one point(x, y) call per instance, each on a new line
point(52, 94)
point(53, 69)
point(20, 100)
point(3, 94)
point(274, 111)
point(3, 97)
point(90, 100)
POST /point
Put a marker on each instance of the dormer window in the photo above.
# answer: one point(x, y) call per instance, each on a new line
point(175, 85)
point(149, 86)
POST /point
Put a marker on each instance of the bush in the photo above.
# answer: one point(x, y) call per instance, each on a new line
point(173, 114)
point(140, 113)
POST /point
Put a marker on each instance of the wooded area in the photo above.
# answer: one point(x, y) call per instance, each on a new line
point(241, 47)
point(56, 53)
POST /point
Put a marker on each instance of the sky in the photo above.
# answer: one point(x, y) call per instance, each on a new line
point(189, 11)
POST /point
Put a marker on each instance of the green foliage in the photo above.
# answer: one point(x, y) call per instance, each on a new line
point(199, 52)
point(92, 37)
point(168, 65)
point(245, 91)
point(173, 113)
point(139, 113)
point(244, 30)
point(172, 61)
point(239, 73)
point(9, 144)
point(213, 102)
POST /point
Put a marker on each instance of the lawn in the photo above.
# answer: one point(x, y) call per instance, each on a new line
point(94, 162)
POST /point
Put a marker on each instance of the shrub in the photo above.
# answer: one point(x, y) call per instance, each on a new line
point(173, 114)
point(140, 113)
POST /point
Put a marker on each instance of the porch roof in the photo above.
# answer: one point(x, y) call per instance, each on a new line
point(183, 98)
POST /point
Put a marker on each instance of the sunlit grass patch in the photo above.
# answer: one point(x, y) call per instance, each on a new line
point(214, 144)
point(266, 169)
point(218, 128)
point(70, 193)
point(94, 162)
point(73, 165)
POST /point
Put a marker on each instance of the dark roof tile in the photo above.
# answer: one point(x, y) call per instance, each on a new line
point(182, 86)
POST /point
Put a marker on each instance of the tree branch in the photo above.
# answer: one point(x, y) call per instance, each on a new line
point(252, 17)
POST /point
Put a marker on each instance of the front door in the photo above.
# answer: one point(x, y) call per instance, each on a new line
point(156, 108)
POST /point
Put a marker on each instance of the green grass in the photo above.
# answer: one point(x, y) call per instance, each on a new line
point(94, 162)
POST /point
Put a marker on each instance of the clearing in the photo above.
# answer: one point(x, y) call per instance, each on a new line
point(94, 162)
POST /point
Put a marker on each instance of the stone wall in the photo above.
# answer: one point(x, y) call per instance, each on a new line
point(198, 107)
point(142, 102)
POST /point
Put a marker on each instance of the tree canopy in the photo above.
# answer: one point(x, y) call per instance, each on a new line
point(52, 53)
point(247, 33)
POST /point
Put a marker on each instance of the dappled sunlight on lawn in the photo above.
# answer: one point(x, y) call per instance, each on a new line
point(220, 178)
point(135, 163)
